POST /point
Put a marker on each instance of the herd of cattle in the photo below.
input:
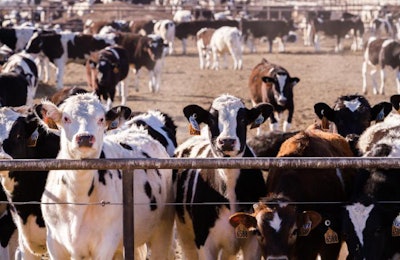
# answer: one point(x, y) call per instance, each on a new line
point(274, 213)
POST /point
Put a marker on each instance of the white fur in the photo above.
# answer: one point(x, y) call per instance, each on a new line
point(227, 39)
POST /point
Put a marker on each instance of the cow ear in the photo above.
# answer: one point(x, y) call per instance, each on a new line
point(259, 114)
point(294, 81)
point(381, 110)
point(323, 110)
point(197, 113)
point(268, 79)
point(307, 221)
point(116, 116)
point(246, 219)
point(395, 100)
point(49, 114)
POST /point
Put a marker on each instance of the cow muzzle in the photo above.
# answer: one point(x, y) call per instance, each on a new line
point(85, 140)
point(226, 144)
point(281, 100)
point(281, 257)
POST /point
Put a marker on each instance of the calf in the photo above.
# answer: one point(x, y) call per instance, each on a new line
point(272, 83)
point(16, 38)
point(203, 229)
point(227, 39)
point(372, 216)
point(379, 54)
point(203, 40)
point(82, 137)
point(166, 29)
point(272, 29)
point(287, 222)
point(105, 69)
point(24, 65)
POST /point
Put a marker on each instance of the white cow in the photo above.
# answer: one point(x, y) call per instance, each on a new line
point(90, 231)
point(227, 39)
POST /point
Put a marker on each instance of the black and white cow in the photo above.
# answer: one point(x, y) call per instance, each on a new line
point(82, 137)
point(16, 38)
point(204, 229)
point(272, 29)
point(24, 65)
point(61, 48)
point(379, 54)
point(166, 29)
point(105, 69)
point(273, 84)
point(372, 217)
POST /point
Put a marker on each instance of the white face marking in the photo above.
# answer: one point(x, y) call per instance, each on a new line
point(276, 221)
point(352, 105)
point(359, 214)
point(282, 81)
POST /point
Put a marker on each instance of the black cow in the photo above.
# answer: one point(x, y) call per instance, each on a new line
point(273, 84)
point(271, 29)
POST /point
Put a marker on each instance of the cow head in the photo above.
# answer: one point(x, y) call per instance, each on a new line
point(106, 69)
point(227, 121)
point(277, 225)
point(352, 114)
point(282, 84)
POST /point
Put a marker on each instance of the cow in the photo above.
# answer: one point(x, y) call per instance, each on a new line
point(203, 40)
point(292, 223)
point(224, 40)
point(64, 47)
point(204, 229)
point(24, 65)
point(105, 69)
point(185, 29)
point(338, 28)
point(82, 137)
point(378, 54)
point(272, 29)
point(166, 29)
point(372, 215)
point(271, 83)
point(94, 27)
point(16, 38)
point(143, 27)
point(183, 16)
point(351, 114)
point(382, 28)
point(268, 144)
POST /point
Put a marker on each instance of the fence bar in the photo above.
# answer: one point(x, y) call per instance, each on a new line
point(209, 163)
point(128, 216)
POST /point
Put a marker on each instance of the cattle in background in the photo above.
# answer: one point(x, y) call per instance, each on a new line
point(351, 114)
point(185, 29)
point(382, 28)
point(143, 27)
point(182, 16)
point(287, 226)
point(166, 29)
point(379, 54)
point(24, 65)
point(225, 40)
point(272, 29)
point(273, 84)
point(203, 39)
point(16, 38)
point(94, 27)
point(153, 190)
point(105, 69)
point(65, 47)
point(204, 229)
point(372, 216)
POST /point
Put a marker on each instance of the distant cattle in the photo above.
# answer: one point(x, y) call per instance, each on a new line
point(143, 27)
point(166, 29)
point(153, 187)
point(16, 38)
point(185, 29)
point(293, 222)
point(61, 48)
point(272, 29)
point(105, 69)
point(203, 40)
point(379, 54)
point(372, 216)
point(225, 40)
point(273, 84)
point(183, 16)
point(207, 197)
point(382, 28)
point(94, 27)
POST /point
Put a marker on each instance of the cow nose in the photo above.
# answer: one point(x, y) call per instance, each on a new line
point(85, 140)
point(227, 144)
point(282, 257)
point(282, 100)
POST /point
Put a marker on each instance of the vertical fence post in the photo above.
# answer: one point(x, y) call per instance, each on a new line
point(128, 221)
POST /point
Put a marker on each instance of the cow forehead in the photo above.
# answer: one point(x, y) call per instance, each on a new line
point(7, 119)
point(227, 103)
point(83, 105)
point(359, 215)
point(352, 105)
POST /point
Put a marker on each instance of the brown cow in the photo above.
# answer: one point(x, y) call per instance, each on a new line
point(203, 37)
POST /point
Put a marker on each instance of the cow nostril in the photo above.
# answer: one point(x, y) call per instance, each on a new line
point(227, 144)
point(85, 140)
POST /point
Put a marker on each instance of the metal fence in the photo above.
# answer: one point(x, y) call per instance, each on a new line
point(128, 165)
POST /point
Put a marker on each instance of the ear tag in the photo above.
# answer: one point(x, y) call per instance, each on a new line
point(116, 70)
point(33, 139)
point(305, 229)
point(194, 128)
point(114, 124)
point(331, 237)
point(396, 227)
point(259, 120)
point(241, 231)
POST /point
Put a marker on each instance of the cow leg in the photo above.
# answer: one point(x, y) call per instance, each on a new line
point(273, 123)
point(364, 77)
point(184, 44)
point(288, 123)
point(374, 82)
point(317, 46)
point(60, 73)
point(398, 80)
point(281, 45)
point(270, 42)
point(215, 59)
point(202, 54)
point(383, 80)
point(123, 91)
point(136, 74)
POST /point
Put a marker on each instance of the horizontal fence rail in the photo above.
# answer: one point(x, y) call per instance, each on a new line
point(128, 165)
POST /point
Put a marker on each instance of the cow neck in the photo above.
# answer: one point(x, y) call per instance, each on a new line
point(230, 176)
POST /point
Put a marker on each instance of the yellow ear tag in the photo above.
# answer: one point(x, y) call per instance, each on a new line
point(194, 128)
point(305, 229)
point(396, 227)
point(331, 237)
point(241, 231)
point(116, 70)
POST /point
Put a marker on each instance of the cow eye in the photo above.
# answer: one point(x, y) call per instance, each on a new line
point(101, 121)
point(295, 231)
point(66, 120)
